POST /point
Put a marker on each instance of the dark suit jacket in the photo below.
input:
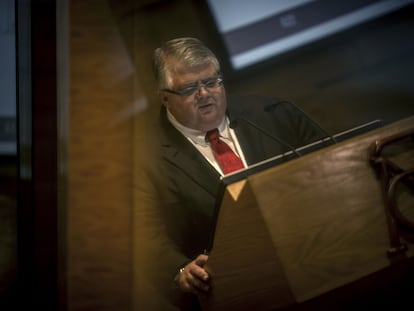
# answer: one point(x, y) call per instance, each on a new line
point(178, 186)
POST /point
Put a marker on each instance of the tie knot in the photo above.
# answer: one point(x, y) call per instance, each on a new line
point(212, 135)
point(226, 158)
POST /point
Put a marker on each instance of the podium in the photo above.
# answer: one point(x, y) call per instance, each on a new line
point(299, 230)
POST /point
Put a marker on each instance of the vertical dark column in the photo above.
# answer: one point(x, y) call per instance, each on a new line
point(37, 148)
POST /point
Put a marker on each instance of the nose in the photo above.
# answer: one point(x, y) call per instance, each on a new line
point(202, 90)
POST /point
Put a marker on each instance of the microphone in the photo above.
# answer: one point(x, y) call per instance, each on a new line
point(233, 124)
point(272, 107)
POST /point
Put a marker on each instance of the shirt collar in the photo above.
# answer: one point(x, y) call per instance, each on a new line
point(196, 136)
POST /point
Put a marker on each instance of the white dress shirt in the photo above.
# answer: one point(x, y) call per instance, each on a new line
point(197, 138)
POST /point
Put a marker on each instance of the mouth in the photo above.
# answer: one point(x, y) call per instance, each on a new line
point(206, 108)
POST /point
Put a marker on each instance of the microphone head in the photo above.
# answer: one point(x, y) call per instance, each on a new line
point(272, 106)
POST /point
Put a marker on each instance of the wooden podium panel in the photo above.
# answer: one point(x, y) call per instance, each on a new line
point(303, 228)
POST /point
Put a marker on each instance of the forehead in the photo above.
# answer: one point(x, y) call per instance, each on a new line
point(181, 75)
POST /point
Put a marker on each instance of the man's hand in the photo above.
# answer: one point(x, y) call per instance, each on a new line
point(193, 278)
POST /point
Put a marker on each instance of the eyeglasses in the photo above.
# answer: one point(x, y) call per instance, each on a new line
point(208, 84)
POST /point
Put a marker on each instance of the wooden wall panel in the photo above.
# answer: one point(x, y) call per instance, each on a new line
point(99, 161)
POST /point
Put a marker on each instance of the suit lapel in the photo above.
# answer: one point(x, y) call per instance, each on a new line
point(250, 139)
point(249, 143)
point(179, 152)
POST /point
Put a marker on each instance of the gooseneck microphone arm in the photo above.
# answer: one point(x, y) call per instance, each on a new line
point(271, 107)
point(234, 122)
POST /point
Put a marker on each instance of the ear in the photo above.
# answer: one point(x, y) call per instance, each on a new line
point(164, 99)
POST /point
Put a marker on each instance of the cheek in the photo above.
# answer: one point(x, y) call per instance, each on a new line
point(180, 111)
point(171, 104)
point(223, 101)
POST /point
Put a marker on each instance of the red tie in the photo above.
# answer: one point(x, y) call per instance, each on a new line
point(225, 157)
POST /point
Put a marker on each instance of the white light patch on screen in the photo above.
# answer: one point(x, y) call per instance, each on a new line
point(264, 9)
point(232, 14)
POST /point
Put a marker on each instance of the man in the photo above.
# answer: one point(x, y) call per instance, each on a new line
point(178, 183)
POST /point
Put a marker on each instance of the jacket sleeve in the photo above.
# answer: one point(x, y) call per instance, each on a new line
point(156, 259)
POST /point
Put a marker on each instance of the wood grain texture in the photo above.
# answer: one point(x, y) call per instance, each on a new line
point(249, 258)
point(99, 162)
point(321, 215)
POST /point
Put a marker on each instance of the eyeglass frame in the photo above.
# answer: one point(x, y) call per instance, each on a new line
point(196, 86)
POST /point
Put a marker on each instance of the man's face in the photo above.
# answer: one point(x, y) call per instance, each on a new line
point(205, 108)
